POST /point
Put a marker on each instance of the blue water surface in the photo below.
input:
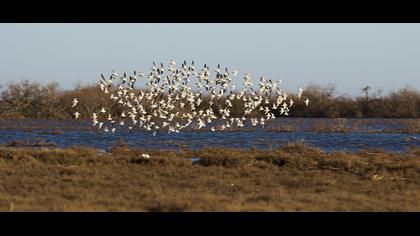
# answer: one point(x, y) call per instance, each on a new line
point(79, 134)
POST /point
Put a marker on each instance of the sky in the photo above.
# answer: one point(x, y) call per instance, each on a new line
point(384, 56)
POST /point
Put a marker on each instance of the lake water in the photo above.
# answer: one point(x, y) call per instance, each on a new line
point(79, 133)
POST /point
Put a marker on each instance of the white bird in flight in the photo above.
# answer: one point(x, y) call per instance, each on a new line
point(75, 101)
point(154, 109)
point(300, 92)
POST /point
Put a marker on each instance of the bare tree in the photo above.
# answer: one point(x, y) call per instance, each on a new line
point(366, 90)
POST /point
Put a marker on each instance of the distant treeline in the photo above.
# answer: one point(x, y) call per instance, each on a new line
point(27, 99)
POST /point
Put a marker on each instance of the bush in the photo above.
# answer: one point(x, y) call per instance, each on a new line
point(26, 99)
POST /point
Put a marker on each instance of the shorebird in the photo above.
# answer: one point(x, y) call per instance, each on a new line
point(307, 101)
point(75, 101)
point(300, 92)
point(214, 98)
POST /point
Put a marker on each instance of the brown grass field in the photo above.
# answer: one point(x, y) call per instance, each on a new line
point(293, 178)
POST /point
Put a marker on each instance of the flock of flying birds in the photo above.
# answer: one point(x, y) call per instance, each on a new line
point(170, 103)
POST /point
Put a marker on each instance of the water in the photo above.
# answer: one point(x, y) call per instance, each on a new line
point(74, 133)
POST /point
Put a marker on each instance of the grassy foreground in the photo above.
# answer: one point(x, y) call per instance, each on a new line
point(294, 178)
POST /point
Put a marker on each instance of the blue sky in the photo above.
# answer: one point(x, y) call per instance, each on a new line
point(384, 56)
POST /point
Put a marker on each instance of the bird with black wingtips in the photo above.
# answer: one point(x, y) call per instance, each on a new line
point(163, 92)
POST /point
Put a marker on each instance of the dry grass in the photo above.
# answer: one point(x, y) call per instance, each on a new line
point(293, 178)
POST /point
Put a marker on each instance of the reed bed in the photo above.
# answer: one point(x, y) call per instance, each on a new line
point(295, 177)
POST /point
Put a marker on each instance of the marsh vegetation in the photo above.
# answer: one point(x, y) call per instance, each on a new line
point(44, 166)
point(28, 99)
point(296, 177)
